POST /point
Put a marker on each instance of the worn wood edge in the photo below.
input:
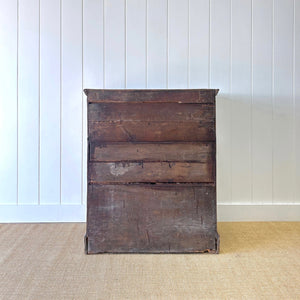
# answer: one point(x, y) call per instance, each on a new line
point(144, 161)
point(203, 146)
point(86, 244)
point(152, 101)
point(211, 100)
point(87, 90)
point(154, 184)
point(216, 250)
point(150, 142)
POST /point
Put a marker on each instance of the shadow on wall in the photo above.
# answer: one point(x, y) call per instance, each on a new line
point(255, 148)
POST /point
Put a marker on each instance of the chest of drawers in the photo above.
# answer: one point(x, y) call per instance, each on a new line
point(151, 171)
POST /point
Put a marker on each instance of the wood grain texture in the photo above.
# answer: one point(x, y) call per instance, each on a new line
point(146, 122)
point(179, 96)
point(200, 152)
point(141, 131)
point(202, 113)
point(124, 172)
point(151, 171)
point(145, 218)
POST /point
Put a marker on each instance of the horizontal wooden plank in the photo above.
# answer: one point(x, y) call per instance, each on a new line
point(151, 218)
point(141, 131)
point(201, 152)
point(179, 96)
point(151, 112)
point(123, 172)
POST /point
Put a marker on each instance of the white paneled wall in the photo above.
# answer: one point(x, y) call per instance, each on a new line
point(51, 49)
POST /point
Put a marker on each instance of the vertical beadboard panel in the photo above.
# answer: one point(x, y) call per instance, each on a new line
point(262, 101)
point(297, 100)
point(93, 43)
point(178, 34)
point(136, 44)
point(28, 103)
point(248, 49)
point(93, 67)
point(114, 39)
point(157, 35)
point(241, 89)
point(219, 77)
point(198, 43)
point(71, 106)
point(50, 101)
point(283, 102)
point(8, 101)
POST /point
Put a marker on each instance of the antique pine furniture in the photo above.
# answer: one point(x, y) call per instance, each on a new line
point(151, 171)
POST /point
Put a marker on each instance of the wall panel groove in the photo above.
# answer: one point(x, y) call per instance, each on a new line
point(9, 32)
point(51, 49)
point(28, 103)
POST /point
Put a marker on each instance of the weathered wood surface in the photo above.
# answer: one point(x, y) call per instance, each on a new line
point(140, 131)
point(151, 218)
point(152, 112)
point(151, 171)
point(124, 172)
point(200, 152)
point(179, 96)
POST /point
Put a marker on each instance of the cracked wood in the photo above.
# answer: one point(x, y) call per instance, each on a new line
point(151, 218)
point(123, 172)
point(198, 152)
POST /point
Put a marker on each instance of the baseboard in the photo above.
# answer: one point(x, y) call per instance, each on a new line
point(42, 213)
point(258, 212)
point(77, 213)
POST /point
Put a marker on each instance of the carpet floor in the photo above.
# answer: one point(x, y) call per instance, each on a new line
point(47, 261)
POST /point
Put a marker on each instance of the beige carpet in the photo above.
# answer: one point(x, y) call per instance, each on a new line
point(47, 261)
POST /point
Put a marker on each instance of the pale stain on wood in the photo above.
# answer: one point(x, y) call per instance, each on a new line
point(151, 171)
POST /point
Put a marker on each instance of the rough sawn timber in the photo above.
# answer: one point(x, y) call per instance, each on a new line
point(151, 218)
point(198, 152)
point(151, 171)
point(125, 172)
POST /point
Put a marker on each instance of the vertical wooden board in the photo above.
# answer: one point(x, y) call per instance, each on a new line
point(93, 67)
point(262, 101)
point(198, 43)
point(71, 114)
point(136, 44)
point(28, 103)
point(178, 34)
point(8, 101)
point(220, 78)
point(283, 102)
point(157, 19)
point(114, 43)
point(297, 100)
point(50, 102)
point(241, 89)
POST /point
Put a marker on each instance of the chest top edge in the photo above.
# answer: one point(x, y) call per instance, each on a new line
point(206, 96)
